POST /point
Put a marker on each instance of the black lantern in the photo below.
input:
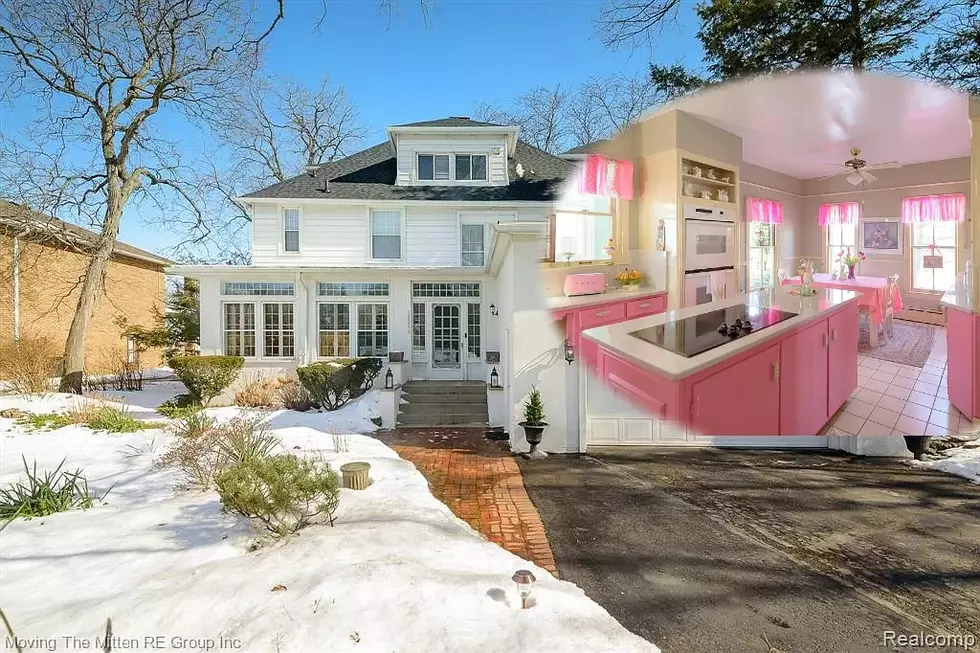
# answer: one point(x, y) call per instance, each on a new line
point(569, 352)
point(494, 378)
point(493, 310)
point(389, 380)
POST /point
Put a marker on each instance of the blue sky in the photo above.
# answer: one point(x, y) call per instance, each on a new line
point(471, 52)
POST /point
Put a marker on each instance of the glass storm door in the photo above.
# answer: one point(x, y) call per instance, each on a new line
point(446, 336)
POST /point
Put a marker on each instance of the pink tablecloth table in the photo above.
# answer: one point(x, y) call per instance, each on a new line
point(872, 291)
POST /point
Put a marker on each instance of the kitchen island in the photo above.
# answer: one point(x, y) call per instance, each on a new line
point(963, 346)
point(780, 364)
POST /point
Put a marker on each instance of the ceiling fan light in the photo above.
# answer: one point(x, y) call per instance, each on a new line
point(868, 177)
point(854, 179)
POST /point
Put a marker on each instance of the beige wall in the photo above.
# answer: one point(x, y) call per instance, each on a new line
point(49, 288)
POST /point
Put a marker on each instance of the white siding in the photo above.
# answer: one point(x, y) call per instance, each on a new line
point(410, 146)
point(432, 237)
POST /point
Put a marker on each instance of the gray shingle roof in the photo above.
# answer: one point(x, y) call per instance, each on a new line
point(370, 175)
point(15, 218)
point(587, 148)
point(452, 121)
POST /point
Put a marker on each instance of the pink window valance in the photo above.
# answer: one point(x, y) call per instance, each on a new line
point(768, 211)
point(934, 208)
point(845, 213)
point(606, 177)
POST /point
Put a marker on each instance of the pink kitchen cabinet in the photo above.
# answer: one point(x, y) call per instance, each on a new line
point(842, 362)
point(803, 380)
point(742, 399)
point(963, 360)
point(578, 319)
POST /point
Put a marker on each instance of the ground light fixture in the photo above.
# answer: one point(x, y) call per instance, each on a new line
point(494, 378)
point(569, 352)
point(389, 380)
point(524, 581)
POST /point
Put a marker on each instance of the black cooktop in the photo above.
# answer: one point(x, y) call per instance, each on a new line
point(700, 333)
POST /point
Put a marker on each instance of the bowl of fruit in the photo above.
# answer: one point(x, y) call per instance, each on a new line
point(629, 279)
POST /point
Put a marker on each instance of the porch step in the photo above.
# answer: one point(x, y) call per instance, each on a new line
point(443, 403)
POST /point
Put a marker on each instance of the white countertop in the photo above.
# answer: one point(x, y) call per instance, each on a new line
point(610, 295)
point(959, 296)
point(617, 338)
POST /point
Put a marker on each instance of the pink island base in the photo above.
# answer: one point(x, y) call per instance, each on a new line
point(790, 383)
point(963, 360)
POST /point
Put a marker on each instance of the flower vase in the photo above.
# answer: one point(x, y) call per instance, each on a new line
point(850, 271)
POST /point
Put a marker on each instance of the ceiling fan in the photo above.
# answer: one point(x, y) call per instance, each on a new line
point(860, 170)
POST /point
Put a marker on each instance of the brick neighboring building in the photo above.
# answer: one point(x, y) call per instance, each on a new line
point(39, 296)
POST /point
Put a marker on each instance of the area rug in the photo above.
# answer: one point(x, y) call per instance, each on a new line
point(910, 345)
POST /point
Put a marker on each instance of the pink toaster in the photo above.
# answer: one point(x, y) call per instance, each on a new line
point(585, 284)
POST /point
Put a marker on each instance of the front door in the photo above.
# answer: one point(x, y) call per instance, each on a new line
point(447, 337)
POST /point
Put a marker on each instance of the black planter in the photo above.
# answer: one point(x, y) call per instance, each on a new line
point(532, 433)
point(917, 444)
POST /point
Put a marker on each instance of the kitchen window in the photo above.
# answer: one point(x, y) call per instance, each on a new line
point(433, 167)
point(334, 330)
point(762, 254)
point(472, 245)
point(839, 238)
point(239, 329)
point(580, 229)
point(372, 329)
point(277, 330)
point(290, 230)
point(471, 167)
point(943, 236)
point(386, 235)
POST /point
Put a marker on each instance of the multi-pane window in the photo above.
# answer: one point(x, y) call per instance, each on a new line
point(418, 332)
point(445, 289)
point(471, 167)
point(943, 236)
point(386, 234)
point(580, 229)
point(283, 289)
point(471, 245)
point(132, 353)
point(839, 238)
point(277, 331)
point(239, 329)
point(346, 289)
point(290, 230)
point(372, 329)
point(334, 328)
point(762, 256)
point(433, 167)
point(473, 330)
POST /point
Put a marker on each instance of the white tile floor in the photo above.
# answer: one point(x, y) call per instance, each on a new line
point(893, 399)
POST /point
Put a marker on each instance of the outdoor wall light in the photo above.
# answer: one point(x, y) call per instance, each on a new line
point(493, 310)
point(494, 378)
point(569, 352)
point(524, 580)
point(389, 380)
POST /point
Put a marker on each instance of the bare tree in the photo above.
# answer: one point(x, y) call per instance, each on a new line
point(103, 70)
point(541, 115)
point(625, 22)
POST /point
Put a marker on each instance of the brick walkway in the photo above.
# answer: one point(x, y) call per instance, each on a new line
point(480, 482)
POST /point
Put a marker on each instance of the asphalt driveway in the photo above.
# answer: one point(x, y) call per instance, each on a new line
point(805, 552)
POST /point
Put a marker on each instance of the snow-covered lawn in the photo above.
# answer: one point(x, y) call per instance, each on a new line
point(962, 461)
point(398, 572)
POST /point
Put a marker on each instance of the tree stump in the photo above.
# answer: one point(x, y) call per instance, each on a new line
point(355, 475)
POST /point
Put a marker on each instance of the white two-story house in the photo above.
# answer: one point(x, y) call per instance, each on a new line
point(394, 249)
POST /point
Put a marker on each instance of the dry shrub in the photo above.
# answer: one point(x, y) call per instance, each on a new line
point(260, 392)
point(293, 396)
point(28, 364)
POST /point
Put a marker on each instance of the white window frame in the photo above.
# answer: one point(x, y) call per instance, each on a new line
point(281, 331)
point(774, 240)
point(949, 258)
point(420, 355)
point(480, 333)
point(355, 340)
point(320, 331)
point(831, 254)
point(255, 331)
point(401, 233)
point(463, 252)
point(434, 155)
point(132, 351)
point(353, 325)
point(486, 168)
point(282, 231)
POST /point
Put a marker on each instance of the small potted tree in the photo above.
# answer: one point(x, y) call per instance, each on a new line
point(533, 424)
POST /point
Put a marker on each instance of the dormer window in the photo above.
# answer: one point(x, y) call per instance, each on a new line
point(439, 167)
point(471, 167)
point(434, 167)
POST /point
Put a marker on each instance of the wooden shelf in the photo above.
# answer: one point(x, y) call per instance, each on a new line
point(706, 180)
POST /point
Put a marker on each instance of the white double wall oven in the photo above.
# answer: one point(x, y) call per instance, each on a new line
point(440, 325)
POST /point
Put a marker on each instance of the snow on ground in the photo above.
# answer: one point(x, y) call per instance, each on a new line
point(398, 572)
point(962, 461)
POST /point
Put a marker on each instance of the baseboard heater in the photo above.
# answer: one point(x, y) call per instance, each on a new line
point(927, 314)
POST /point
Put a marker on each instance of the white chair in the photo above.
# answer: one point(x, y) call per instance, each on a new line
point(781, 275)
point(889, 306)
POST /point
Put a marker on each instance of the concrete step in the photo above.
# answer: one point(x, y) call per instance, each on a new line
point(445, 387)
point(444, 409)
point(421, 420)
point(441, 398)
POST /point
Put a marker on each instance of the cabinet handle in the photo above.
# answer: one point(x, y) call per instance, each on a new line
point(644, 304)
point(602, 314)
point(833, 334)
point(826, 340)
point(775, 371)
